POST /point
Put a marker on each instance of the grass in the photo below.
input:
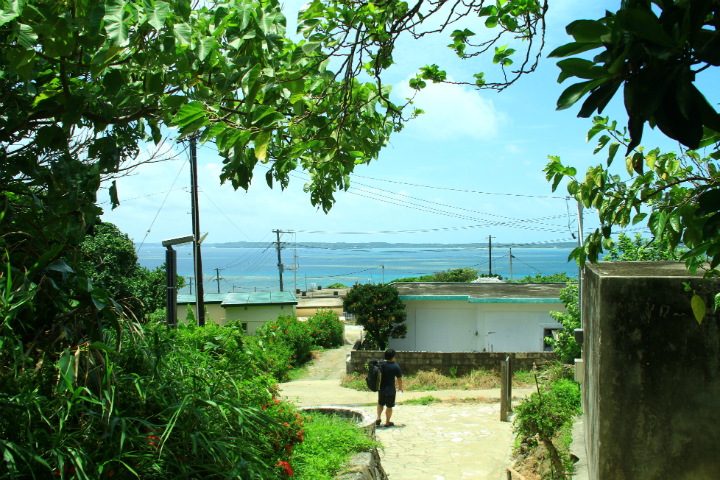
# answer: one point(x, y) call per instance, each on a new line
point(433, 380)
point(427, 400)
point(302, 371)
point(329, 443)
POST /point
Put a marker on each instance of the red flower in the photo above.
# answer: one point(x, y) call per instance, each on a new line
point(271, 361)
point(289, 366)
point(277, 402)
point(264, 407)
point(286, 424)
point(286, 331)
point(286, 466)
point(288, 448)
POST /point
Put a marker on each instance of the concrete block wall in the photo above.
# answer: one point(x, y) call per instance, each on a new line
point(465, 362)
point(651, 389)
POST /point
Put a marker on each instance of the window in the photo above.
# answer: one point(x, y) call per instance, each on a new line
point(549, 332)
point(244, 326)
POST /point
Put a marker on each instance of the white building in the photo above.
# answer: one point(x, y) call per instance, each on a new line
point(478, 317)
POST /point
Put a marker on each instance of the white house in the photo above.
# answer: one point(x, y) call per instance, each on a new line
point(252, 309)
point(478, 317)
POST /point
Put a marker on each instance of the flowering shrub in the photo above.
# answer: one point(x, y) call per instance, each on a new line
point(326, 329)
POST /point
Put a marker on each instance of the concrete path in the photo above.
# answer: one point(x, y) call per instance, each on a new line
point(445, 442)
point(441, 441)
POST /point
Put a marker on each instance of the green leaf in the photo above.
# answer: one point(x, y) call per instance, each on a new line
point(212, 131)
point(573, 49)
point(656, 224)
point(7, 15)
point(612, 150)
point(182, 33)
point(601, 143)
point(157, 14)
point(578, 67)
point(575, 92)
point(491, 22)
point(644, 24)
point(639, 218)
point(101, 346)
point(113, 196)
point(117, 23)
point(698, 308)
point(113, 82)
point(261, 144)
point(205, 46)
point(26, 36)
point(586, 31)
point(189, 113)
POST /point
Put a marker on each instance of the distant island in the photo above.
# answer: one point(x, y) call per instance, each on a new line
point(373, 245)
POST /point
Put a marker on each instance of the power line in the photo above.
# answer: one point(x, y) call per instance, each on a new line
point(161, 206)
point(224, 215)
point(457, 189)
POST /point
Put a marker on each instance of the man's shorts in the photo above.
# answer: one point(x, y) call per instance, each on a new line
point(386, 400)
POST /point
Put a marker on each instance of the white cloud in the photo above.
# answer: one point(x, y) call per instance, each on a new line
point(452, 111)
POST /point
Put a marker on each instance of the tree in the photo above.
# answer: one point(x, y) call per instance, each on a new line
point(565, 345)
point(110, 258)
point(379, 310)
point(560, 277)
point(462, 275)
point(656, 58)
point(641, 249)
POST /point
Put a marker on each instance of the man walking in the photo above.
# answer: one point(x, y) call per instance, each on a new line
point(386, 394)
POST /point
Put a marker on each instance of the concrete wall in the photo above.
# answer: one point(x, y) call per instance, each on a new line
point(215, 311)
point(310, 311)
point(460, 326)
point(465, 362)
point(651, 390)
point(257, 316)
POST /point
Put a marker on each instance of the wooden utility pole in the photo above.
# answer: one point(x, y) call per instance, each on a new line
point(217, 273)
point(383, 268)
point(511, 257)
point(197, 255)
point(280, 265)
point(490, 253)
point(580, 272)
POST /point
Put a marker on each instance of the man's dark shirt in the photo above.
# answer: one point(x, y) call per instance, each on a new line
point(391, 371)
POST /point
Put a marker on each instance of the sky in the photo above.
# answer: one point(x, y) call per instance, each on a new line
point(480, 141)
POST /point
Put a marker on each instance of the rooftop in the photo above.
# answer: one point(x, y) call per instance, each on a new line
point(243, 299)
point(482, 292)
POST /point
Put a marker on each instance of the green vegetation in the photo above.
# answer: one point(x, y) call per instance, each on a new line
point(379, 310)
point(565, 346)
point(337, 285)
point(545, 414)
point(451, 275)
point(109, 257)
point(427, 400)
point(643, 249)
point(433, 380)
point(329, 443)
point(540, 278)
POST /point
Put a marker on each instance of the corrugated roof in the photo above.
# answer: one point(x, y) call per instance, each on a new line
point(480, 290)
point(260, 298)
point(244, 299)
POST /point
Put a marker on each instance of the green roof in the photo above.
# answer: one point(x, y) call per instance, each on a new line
point(243, 299)
point(260, 298)
point(209, 298)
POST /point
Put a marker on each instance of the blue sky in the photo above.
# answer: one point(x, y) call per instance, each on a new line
point(467, 139)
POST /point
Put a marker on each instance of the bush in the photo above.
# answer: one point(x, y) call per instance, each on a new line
point(337, 285)
point(561, 277)
point(565, 346)
point(326, 329)
point(330, 443)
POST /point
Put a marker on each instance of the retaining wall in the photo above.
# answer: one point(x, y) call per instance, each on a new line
point(465, 362)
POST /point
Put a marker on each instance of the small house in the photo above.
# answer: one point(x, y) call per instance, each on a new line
point(479, 317)
point(252, 309)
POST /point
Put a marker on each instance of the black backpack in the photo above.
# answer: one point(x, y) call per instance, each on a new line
point(374, 376)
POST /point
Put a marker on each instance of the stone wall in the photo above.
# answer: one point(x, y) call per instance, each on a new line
point(465, 362)
point(651, 389)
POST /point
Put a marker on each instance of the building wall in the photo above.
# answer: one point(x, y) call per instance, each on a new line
point(215, 312)
point(651, 389)
point(257, 316)
point(310, 311)
point(459, 326)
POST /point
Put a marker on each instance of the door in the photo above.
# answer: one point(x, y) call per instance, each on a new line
point(446, 330)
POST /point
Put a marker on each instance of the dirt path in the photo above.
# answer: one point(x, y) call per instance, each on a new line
point(330, 365)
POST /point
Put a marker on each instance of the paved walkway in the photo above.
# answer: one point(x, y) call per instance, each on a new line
point(441, 441)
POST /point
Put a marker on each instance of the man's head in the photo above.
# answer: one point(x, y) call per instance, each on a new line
point(389, 354)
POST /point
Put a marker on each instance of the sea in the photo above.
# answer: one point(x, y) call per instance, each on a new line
point(256, 269)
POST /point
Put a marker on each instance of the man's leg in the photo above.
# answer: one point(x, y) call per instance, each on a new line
point(379, 412)
point(388, 414)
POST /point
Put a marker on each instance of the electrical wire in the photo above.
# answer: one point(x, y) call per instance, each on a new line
point(223, 213)
point(161, 206)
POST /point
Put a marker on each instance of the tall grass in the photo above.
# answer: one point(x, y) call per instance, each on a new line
point(434, 380)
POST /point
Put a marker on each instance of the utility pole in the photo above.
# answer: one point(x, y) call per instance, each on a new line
point(199, 290)
point(490, 253)
point(383, 268)
point(295, 268)
point(511, 257)
point(280, 265)
point(191, 280)
point(217, 272)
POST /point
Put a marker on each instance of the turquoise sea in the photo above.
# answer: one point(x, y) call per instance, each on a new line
point(249, 269)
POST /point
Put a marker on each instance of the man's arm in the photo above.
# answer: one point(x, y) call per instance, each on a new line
point(400, 383)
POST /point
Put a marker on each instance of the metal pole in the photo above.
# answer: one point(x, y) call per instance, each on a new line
point(199, 290)
point(280, 265)
point(191, 280)
point(383, 268)
point(503, 392)
point(217, 272)
point(171, 287)
point(295, 268)
point(580, 272)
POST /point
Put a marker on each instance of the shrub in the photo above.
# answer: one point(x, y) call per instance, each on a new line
point(330, 443)
point(326, 329)
point(565, 346)
point(337, 285)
